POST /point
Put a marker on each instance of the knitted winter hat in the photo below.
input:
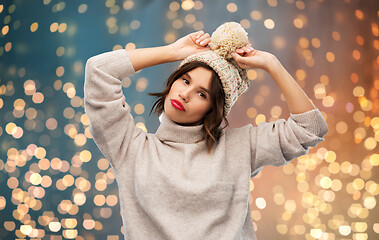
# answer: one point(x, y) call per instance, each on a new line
point(227, 38)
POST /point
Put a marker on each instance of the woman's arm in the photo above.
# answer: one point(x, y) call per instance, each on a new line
point(296, 98)
point(112, 125)
point(146, 57)
point(182, 48)
point(276, 143)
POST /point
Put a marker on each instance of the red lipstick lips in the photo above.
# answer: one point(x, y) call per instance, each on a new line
point(177, 105)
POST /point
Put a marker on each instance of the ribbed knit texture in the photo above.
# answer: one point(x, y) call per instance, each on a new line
point(169, 186)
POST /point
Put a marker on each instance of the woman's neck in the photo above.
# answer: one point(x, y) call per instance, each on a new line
point(200, 122)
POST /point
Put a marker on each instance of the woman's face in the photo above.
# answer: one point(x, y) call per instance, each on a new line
point(192, 90)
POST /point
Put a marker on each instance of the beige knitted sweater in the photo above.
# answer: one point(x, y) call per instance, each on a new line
point(169, 187)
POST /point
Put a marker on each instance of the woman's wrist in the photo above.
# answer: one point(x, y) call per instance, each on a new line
point(146, 57)
point(172, 53)
point(272, 64)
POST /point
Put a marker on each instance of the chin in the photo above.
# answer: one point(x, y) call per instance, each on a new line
point(178, 116)
point(173, 116)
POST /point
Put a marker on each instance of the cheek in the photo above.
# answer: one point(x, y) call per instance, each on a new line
point(175, 86)
point(205, 106)
point(209, 106)
point(167, 99)
point(173, 89)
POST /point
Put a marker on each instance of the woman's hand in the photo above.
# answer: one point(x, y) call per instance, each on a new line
point(192, 43)
point(248, 57)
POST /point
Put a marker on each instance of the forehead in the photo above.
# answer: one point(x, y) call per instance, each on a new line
point(200, 75)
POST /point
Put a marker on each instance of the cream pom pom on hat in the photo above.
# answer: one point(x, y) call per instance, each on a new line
point(224, 40)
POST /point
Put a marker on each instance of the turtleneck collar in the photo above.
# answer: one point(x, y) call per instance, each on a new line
point(168, 130)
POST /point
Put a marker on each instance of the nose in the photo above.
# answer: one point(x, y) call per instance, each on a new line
point(184, 94)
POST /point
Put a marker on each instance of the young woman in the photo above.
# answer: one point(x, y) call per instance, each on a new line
point(190, 180)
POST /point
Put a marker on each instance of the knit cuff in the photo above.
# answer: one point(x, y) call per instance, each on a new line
point(311, 120)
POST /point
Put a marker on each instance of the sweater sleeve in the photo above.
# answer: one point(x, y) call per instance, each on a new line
point(276, 143)
point(111, 123)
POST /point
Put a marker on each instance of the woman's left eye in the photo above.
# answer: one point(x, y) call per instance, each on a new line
point(203, 95)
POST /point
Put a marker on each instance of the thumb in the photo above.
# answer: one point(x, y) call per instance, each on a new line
point(237, 57)
point(241, 61)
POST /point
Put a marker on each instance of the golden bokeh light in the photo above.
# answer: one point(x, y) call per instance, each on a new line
point(232, 7)
point(269, 23)
point(187, 5)
point(256, 15)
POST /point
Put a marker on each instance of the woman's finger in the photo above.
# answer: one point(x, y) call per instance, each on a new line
point(239, 59)
point(248, 46)
point(199, 33)
point(200, 39)
point(239, 50)
point(246, 49)
point(205, 42)
point(193, 37)
point(195, 34)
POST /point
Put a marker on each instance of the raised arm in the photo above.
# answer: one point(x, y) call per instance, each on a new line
point(276, 143)
point(180, 49)
point(111, 122)
point(296, 98)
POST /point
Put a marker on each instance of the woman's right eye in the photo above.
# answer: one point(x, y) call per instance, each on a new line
point(185, 80)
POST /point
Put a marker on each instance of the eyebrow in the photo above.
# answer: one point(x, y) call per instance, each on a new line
point(206, 90)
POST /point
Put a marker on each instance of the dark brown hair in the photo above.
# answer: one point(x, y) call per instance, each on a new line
point(214, 117)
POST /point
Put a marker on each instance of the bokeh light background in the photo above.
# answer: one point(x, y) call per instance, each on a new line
point(56, 184)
